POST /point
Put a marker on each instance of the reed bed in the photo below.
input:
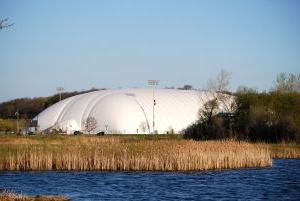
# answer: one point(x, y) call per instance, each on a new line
point(129, 154)
point(11, 196)
point(284, 151)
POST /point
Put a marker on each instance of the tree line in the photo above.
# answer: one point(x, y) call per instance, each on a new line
point(272, 116)
point(30, 107)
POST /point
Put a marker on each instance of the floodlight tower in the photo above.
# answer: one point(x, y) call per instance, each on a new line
point(17, 115)
point(59, 90)
point(153, 83)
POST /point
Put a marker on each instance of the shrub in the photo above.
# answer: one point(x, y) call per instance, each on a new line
point(269, 117)
point(100, 133)
point(78, 133)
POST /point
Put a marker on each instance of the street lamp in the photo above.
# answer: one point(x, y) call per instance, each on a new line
point(17, 115)
point(153, 83)
point(59, 90)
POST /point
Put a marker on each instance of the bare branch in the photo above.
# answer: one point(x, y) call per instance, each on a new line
point(220, 83)
point(287, 82)
point(219, 88)
point(4, 24)
point(90, 124)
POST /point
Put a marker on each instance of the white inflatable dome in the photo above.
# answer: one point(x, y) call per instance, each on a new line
point(126, 111)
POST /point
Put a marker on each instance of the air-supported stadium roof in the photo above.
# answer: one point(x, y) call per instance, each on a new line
point(126, 111)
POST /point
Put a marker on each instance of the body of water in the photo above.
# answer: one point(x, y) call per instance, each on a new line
point(281, 182)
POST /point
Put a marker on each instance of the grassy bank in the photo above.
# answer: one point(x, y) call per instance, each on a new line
point(10, 196)
point(127, 153)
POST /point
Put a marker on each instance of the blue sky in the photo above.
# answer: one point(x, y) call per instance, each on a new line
point(84, 44)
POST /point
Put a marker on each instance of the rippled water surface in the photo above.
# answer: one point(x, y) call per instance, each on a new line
point(281, 182)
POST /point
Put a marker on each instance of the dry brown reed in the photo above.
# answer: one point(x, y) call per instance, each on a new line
point(284, 151)
point(10, 196)
point(115, 153)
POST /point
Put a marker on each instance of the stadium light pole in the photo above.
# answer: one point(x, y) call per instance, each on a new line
point(17, 115)
point(153, 83)
point(59, 90)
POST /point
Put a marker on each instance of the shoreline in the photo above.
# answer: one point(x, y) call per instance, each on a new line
point(135, 171)
point(11, 196)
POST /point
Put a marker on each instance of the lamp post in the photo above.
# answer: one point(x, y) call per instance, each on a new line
point(106, 126)
point(153, 83)
point(59, 90)
point(17, 115)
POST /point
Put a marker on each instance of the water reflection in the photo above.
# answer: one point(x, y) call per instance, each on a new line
point(281, 182)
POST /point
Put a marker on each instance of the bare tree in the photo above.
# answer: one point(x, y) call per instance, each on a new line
point(90, 124)
point(221, 82)
point(218, 108)
point(170, 130)
point(287, 82)
point(143, 126)
point(209, 109)
point(245, 89)
point(219, 87)
point(4, 24)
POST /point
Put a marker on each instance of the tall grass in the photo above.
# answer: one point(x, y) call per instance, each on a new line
point(11, 196)
point(127, 154)
point(285, 151)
